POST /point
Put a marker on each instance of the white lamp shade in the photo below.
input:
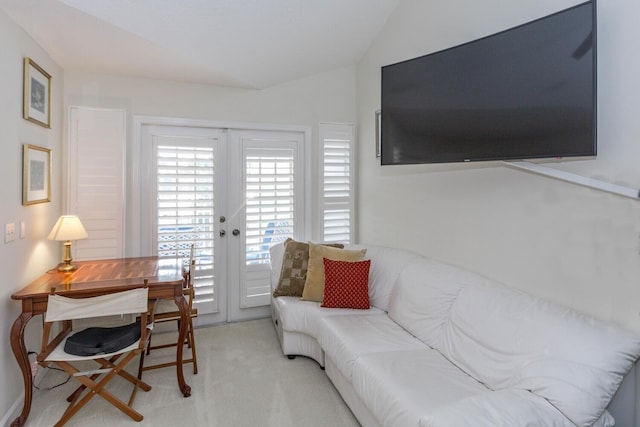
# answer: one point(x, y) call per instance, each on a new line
point(68, 227)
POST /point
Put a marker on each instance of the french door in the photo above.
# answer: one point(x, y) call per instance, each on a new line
point(232, 193)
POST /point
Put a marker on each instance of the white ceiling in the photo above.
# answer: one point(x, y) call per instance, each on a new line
point(245, 43)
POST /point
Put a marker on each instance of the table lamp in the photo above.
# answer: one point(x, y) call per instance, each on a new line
point(67, 228)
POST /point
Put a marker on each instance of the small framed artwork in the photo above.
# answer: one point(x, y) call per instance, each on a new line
point(37, 94)
point(36, 175)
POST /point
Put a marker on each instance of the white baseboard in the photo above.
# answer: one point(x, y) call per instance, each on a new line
point(13, 411)
point(16, 408)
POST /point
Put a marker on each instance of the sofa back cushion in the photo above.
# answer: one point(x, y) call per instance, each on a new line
point(386, 266)
point(422, 299)
point(276, 257)
point(506, 338)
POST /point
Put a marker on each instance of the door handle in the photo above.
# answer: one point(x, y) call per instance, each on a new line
point(222, 233)
point(235, 232)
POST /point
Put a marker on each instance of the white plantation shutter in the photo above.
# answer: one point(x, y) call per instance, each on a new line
point(96, 180)
point(337, 186)
point(269, 213)
point(269, 191)
point(185, 177)
point(233, 192)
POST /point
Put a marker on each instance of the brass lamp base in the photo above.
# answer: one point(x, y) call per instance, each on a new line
point(66, 266)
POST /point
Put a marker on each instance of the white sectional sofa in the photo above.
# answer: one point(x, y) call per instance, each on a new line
point(444, 347)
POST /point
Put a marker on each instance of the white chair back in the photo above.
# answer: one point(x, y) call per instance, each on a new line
point(125, 302)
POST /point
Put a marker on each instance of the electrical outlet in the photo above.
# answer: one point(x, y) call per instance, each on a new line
point(9, 232)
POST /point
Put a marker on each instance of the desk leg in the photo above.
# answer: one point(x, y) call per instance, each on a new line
point(20, 352)
point(184, 322)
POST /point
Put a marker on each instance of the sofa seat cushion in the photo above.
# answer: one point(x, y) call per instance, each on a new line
point(506, 338)
point(345, 338)
point(508, 407)
point(402, 387)
point(297, 315)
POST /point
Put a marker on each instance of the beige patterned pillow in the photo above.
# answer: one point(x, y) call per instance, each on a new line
point(293, 274)
point(314, 286)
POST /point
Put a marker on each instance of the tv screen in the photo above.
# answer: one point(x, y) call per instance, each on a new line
point(527, 92)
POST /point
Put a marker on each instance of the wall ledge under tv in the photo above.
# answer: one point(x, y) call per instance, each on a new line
point(620, 190)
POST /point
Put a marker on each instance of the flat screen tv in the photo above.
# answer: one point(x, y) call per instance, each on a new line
point(526, 92)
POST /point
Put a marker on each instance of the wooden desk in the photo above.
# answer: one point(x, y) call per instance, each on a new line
point(97, 278)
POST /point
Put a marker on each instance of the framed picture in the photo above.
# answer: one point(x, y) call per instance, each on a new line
point(36, 175)
point(37, 94)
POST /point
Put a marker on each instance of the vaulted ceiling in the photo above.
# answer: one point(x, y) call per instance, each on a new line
point(244, 43)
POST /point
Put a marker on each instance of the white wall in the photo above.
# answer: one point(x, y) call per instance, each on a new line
point(23, 260)
point(571, 244)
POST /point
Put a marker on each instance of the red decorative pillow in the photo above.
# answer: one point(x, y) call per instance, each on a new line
point(346, 284)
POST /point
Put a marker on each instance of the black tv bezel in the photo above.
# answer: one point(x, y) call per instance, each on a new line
point(594, 145)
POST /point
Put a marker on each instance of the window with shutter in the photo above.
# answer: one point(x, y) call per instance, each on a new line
point(269, 190)
point(185, 212)
point(269, 213)
point(337, 174)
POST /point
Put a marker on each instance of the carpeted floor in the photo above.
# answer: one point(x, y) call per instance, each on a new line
point(243, 380)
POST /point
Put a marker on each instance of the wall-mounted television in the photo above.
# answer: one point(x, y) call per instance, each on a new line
point(524, 93)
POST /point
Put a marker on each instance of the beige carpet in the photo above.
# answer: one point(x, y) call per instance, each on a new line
point(243, 380)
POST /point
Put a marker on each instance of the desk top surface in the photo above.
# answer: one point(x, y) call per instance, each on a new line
point(108, 274)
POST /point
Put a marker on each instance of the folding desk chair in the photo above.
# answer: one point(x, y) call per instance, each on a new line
point(166, 311)
point(112, 348)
